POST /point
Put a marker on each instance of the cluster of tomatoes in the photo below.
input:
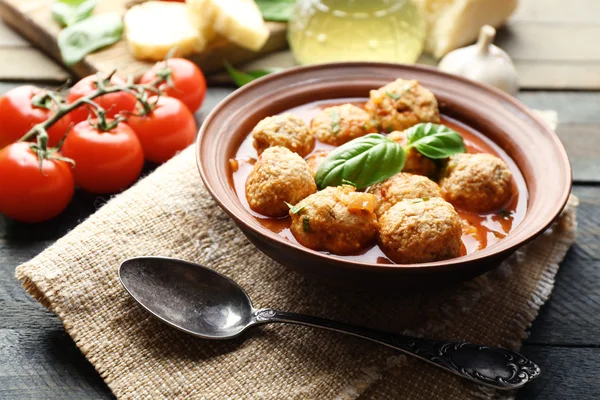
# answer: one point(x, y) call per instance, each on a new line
point(99, 146)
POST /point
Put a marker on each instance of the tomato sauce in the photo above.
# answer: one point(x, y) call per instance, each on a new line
point(480, 230)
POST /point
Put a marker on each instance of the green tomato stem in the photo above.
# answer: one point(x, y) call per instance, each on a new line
point(100, 91)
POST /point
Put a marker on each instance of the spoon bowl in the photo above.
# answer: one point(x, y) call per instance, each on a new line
point(187, 296)
point(204, 303)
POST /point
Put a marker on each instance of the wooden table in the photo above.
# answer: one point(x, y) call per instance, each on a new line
point(556, 51)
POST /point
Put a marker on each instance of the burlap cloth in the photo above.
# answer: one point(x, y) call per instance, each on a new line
point(171, 214)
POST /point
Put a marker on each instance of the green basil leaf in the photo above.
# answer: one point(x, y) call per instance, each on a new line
point(241, 78)
point(364, 161)
point(435, 141)
point(69, 12)
point(276, 10)
point(78, 40)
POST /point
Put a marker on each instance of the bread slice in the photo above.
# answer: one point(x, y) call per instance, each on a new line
point(154, 28)
point(240, 21)
point(456, 23)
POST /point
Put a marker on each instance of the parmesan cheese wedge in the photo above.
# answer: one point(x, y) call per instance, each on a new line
point(240, 21)
point(202, 16)
point(456, 23)
point(154, 28)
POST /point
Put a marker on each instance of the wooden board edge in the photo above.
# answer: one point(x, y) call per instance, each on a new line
point(25, 27)
point(35, 34)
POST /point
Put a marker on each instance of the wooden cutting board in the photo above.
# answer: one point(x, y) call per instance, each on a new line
point(33, 20)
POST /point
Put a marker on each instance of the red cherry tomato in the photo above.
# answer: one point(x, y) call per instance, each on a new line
point(28, 194)
point(189, 84)
point(168, 129)
point(113, 103)
point(18, 116)
point(105, 162)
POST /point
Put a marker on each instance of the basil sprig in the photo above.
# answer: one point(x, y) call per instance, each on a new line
point(276, 10)
point(241, 78)
point(364, 161)
point(435, 141)
point(69, 12)
point(91, 34)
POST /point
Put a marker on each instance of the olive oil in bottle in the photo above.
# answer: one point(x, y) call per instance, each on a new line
point(356, 30)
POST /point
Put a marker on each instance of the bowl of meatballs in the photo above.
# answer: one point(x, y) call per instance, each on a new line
point(382, 175)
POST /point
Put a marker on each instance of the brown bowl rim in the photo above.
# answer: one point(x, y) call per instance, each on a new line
point(488, 252)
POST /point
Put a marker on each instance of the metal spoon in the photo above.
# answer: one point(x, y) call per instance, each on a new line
point(204, 303)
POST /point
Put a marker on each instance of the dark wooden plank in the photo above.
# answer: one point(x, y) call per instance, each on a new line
point(572, 315)
point(582, 142)
point(578, 127)
point(59, 372)
point(572, 107)
point(38, 359)
point(567, 374)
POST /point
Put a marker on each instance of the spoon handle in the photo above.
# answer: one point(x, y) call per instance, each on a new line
point(490, 366)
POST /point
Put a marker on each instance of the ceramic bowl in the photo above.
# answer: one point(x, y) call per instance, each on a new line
point(535, 148)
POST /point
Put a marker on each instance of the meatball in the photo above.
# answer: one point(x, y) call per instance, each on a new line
point(279, 176)
point(402, 104)
point(315, 161)
point(340, 124)
point(285, 130)
point(419, 230)
point(336, 219)
point(402, 186)
point(477, 182)
point(415, 162)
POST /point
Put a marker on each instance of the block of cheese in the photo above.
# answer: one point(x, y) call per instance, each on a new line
point(154, 28)
point(456, 23)
point(202, 15)
point(240, 21)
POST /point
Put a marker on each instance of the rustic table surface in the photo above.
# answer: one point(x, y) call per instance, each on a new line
point(555, 47)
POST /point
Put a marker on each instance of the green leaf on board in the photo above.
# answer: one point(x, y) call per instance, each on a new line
point(78, 40)
point(241, 78)
point(69, 12)
point(276, 10)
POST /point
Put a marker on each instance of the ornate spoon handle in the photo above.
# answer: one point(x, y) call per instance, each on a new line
point(491, 366)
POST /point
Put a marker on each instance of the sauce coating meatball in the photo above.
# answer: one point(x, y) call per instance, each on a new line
point(315, 160)
point(417, 231)
point(340, 124)
point(477, 182)
point(415, 162)
point(278, 176)
point(402, 186)
point(402, 104)
point(336, 219)
point(284, 130)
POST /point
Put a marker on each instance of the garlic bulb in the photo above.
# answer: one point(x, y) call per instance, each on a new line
point(483, 62)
